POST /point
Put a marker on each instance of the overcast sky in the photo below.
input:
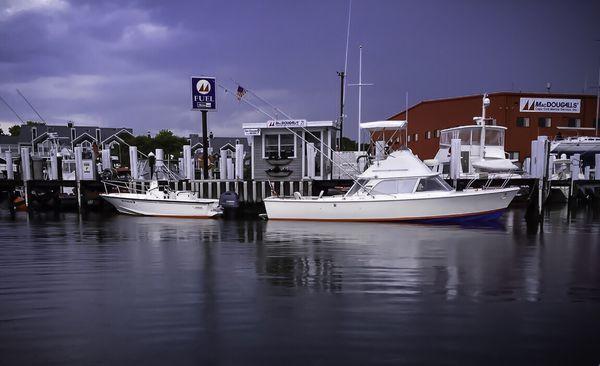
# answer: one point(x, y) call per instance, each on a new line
point(128, 63)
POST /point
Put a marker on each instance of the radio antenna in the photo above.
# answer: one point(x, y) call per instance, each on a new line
point(31, 106)
point(12, 110)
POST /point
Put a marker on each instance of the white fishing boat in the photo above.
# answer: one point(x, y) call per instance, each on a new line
point(576, 144)
point(160, 201)
point(399, 187)
point(482, 151)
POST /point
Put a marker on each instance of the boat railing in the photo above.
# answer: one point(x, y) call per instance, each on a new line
point(489, 181)
point(131, 187)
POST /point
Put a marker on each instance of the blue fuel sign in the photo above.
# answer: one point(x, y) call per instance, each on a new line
point(204, 93)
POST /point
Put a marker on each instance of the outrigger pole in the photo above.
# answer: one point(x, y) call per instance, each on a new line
point(295, 134)
point(31, 106)
point(11, 109)
point(286, 116)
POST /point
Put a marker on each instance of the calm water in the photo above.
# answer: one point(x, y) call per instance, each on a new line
point(134, 290)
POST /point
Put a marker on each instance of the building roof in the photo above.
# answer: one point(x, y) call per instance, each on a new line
point(308, 124)
point(217, 142)
point(10, 140)
point(501, 93)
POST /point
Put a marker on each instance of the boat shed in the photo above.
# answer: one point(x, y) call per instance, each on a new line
point(289, 149)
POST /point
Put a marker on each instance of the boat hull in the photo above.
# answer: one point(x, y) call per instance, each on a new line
point(476, 204)
point(132, 205)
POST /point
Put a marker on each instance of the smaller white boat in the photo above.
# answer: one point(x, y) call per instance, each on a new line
point(161, 202)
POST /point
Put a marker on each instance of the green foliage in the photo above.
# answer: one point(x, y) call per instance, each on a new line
point(348, 144)
point(14, 130)
point(171, 144)
point(164, 139)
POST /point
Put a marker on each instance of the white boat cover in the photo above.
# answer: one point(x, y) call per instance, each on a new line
point(580, 144)
point(495, 165)
point(399, 164)
point(383, 125)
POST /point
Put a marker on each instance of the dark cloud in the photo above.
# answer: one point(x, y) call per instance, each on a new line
point(129, 62)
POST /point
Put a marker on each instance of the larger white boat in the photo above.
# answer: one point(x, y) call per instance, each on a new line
point(482, 151)
point(398, 188)
point(163, 202)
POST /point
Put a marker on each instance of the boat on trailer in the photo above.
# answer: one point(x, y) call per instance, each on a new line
point(160, 201)
point(398, 187)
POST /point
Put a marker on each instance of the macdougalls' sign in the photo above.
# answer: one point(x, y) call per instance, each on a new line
point(204, 93)
point(282, 123)
point(550, 105)
point(251, 131)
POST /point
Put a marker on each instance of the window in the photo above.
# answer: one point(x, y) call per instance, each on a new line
point(408, 138)
point(494, 137)
point(545, 122)
point(434, 183)
point(445, 140)
point(476, 136)
point(394, 186)
point(437, 133)
point(416, 137)
point(357, 187)
point(574, 122)
point(279, 146)
point(513, 155)
point(428, 135)
point(522, 121)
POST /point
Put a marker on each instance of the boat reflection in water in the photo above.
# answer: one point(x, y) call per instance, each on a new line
point(90, 289)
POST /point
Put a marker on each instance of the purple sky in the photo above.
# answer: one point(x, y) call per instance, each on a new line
point(128, 63)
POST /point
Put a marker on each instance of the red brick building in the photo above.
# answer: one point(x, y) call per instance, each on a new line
point(526, 115)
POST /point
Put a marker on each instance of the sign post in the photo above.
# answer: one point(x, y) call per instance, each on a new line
point(204, 100)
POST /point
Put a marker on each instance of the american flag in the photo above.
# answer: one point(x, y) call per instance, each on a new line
point(240, 92)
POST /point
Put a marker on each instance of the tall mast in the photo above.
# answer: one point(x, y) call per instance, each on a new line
point(360, 85)
point(359, 96)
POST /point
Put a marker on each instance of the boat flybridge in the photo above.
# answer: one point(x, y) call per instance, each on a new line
point(482, 153)
point(396, 187)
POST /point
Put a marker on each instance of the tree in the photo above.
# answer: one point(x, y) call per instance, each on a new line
point(14, 130)
point(1, 132)
point(171, 144)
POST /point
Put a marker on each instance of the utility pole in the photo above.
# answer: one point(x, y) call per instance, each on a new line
point(204, 146)
point(597, 96)
point(342, 75)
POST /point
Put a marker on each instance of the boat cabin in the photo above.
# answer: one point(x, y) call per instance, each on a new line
point(289, 149)
point(473, 148)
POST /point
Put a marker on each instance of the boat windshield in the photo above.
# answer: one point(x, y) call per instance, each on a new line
point(494, 137)
point(435, 183)
point(358, 187)
point(395, 186)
